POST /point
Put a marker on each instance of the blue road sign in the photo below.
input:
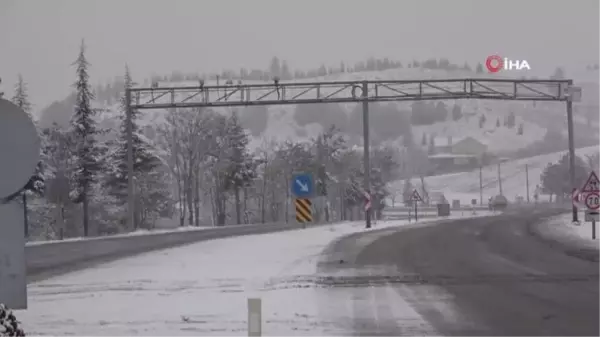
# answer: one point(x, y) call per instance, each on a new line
point(302, 185)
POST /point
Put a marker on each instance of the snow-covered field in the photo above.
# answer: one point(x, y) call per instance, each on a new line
point(202, 289)
point(464, 186)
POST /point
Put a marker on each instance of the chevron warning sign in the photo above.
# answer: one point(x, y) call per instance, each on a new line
point(303, 210)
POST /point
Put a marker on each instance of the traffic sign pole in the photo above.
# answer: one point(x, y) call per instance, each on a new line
point(366, 145)
point(591, 201)
point(572, 94)
point(416, 198)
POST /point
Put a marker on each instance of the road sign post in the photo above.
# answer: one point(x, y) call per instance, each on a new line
point(302, 185)
point(303, 211)
point(591, 201)
point(416, 198)
point(254, 317)
point(591, 198)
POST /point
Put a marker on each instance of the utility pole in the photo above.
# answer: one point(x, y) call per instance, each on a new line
point(480, 185)
point(571, 146)
point(527, 180)
point(366, 161)
point(499, 180)
point(131, 198)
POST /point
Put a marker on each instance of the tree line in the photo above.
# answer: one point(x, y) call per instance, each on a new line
point(555, 178)
point(198, 169)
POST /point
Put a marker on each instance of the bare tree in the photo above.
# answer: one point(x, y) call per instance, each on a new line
point(187, 141)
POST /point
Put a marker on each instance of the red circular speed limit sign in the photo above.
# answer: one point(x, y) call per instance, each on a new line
point(592, 200)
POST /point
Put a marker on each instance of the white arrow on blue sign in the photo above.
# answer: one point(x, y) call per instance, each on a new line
point(302, 185)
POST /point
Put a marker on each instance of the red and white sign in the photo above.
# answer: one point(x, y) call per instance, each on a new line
point(495, 63)
point(591, 185)
point(367, 200)
point(416, 196)
point(592, 201)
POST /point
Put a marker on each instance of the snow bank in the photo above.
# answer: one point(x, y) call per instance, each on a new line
point(562, 228)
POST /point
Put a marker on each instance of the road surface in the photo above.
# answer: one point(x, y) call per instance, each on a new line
point(487, 276)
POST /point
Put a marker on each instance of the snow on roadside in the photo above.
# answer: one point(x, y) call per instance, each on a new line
point(198, 289)
point(562, 228)
point(134, 233)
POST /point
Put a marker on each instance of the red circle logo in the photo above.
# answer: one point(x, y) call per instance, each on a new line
point(494, 63)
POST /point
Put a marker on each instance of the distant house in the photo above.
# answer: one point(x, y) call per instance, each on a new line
point(469, 146)
point(456, 154)
point(441, 145)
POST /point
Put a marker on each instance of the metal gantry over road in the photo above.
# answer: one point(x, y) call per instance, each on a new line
point(363, 91)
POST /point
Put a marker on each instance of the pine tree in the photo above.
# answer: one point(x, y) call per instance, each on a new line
point(275, 67)
point(36, 183)
point(84, 130)
point(240, 166)
point(456, 112)
point(286, 74)
point(559, 74)
point(145, 163)
point(21, 99)
point(479, 68)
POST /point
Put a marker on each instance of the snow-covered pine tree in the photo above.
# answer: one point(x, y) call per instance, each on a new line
point(36, 182)
point(145, 162)
point(21, 99)
point(84, 128)
point(241, 168)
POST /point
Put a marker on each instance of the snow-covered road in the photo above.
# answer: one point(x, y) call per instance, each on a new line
point(202, 289)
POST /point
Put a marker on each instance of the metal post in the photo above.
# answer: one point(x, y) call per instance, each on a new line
point(26, 222)
point(527, 180)
point(594, 229)
point(571, 148)
point(416, 212)
point(130, 196)
point(499, 180)
point(480, 185)
point(367, 166)
point(254, 317)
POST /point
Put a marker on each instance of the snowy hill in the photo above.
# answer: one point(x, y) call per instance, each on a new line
point(281, 124)
point(465, 185)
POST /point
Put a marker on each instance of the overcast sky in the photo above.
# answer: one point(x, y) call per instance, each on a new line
point(40, 38)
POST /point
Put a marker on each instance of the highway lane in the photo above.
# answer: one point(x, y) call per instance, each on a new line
point(487, 276)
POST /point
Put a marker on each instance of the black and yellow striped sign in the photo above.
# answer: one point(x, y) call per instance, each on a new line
point(304, 210)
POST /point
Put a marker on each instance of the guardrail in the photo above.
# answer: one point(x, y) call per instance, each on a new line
point(424, 212)
point(46, 259)
point(54, 257)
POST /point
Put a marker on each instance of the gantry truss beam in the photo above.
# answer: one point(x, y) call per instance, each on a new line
point(347, 92)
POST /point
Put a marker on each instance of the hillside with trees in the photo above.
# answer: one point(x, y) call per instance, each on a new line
point(197, 168)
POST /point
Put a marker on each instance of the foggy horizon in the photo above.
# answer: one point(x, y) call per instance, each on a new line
point(40, 40)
